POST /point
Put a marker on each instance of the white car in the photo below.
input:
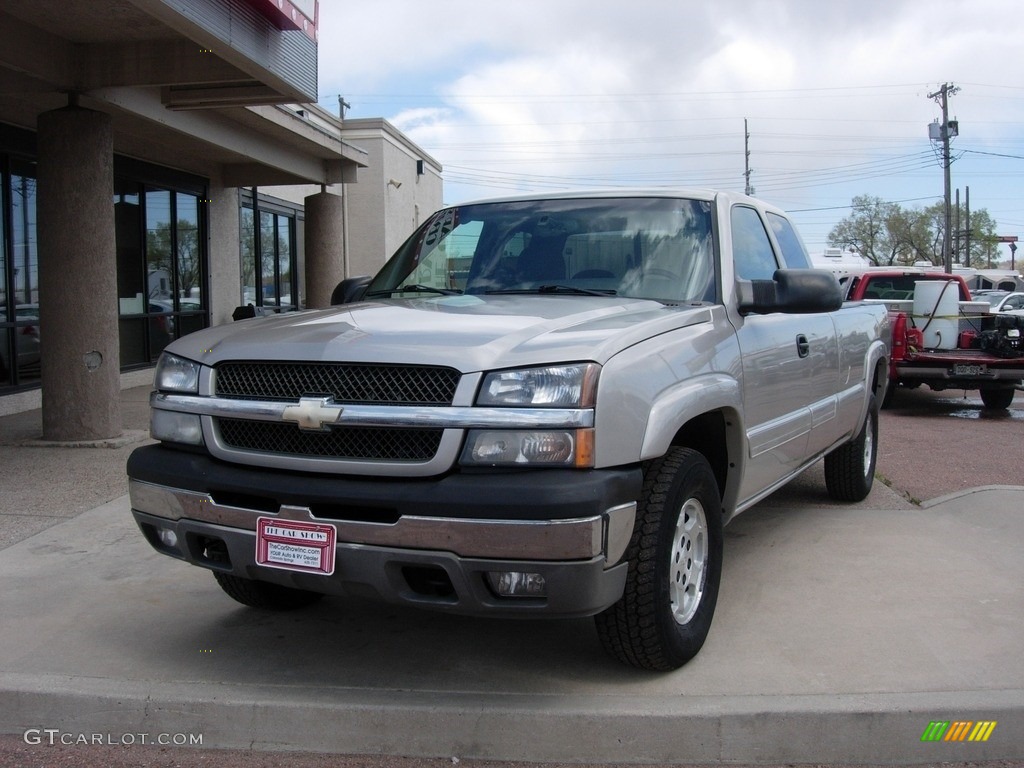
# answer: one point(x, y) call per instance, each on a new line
point(1011, 302)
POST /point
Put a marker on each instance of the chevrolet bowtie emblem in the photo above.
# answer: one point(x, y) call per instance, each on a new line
point(313, 413)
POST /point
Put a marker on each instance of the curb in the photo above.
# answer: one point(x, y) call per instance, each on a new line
point(970, 492)
point(872, 728)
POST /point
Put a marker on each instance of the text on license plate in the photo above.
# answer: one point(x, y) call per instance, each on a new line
point(967, 369)
point(295, 546)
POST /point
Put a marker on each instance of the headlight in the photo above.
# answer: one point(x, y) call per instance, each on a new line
point(176, 374)
point(556, 386)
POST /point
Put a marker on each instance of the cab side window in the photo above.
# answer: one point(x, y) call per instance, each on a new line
point(751, 248)
point(793, 250)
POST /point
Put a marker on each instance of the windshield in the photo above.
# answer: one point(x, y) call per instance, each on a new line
point(656, 248)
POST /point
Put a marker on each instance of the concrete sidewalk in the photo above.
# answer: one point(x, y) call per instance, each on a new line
point(841, 633)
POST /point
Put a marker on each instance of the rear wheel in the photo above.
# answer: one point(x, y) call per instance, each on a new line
point(675, 567)
point(997, 398)
point(262, 594)
point(850, 468)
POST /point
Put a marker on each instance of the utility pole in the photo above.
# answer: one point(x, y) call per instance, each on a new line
point(942, 97)
point(747, 189)
point(956, 228)
point(967, 226)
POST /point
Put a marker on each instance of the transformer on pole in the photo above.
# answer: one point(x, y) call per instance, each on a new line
point(942, 132)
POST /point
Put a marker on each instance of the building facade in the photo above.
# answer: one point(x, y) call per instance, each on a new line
point(161, 163)
point(399, 187)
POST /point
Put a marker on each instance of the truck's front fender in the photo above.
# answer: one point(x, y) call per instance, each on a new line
point(687, 400)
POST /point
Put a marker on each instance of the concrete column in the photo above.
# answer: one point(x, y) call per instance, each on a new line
point(225, 255)
point(325, 252)
point(78, 276)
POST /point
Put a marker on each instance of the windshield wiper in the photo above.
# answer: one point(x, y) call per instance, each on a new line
point(574, 289)
point(417, 288)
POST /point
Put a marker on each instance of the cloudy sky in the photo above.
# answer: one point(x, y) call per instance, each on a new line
point(553, 94)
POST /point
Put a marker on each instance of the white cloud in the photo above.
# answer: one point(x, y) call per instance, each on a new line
point(566, 92)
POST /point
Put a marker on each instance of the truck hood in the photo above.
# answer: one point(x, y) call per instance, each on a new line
point(469, 333)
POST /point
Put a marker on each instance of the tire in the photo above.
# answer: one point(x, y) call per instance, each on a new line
point(675, 567)
point(264, 595)
point(850, 468)
point(997, 398)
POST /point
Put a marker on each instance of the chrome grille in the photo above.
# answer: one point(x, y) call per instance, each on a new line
point(345, 382)
point(355, 443)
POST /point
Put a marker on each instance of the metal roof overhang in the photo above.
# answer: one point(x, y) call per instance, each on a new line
point(173, 100)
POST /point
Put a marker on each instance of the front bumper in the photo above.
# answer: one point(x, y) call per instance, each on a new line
point(428, 543)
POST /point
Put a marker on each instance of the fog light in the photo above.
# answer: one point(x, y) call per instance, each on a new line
point(167, 537)
point(175, 427)
point(517, 584)
point(515, 447)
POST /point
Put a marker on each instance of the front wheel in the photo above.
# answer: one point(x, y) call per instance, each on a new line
point(675, 567)
point(850, 468)
point(264, 595)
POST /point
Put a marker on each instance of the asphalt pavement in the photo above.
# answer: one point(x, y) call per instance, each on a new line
point(842, 633)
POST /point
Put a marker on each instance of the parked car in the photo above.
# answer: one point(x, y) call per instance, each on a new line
point(1010, 302)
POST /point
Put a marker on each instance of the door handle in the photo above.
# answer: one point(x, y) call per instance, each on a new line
point(803, 346)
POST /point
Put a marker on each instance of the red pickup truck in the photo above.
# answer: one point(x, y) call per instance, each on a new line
point(942, 338)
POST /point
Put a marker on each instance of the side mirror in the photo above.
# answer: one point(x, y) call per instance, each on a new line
point(244, 313)
point(350, 289)
point(790, 291)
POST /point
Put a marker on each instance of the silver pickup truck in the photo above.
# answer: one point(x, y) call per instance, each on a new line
point(540, 406)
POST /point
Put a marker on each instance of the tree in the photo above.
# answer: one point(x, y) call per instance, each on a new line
point(186, 266)
point(875, 229)
point(887, 234)
point(924, 237)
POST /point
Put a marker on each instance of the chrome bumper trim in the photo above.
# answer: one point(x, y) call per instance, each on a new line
point(577, 539)
point(438, 417)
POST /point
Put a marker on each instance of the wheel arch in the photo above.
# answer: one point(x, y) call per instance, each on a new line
point(878, 370)
point(703, 414)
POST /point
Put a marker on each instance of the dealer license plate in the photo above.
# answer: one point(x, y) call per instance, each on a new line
point(966, 369)
point(295, 546)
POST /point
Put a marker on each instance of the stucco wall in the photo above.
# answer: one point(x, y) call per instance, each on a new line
point(391, 198)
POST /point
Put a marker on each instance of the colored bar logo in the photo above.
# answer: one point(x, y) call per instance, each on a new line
point(959, 730)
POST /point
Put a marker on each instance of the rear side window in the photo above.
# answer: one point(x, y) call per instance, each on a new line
point(751, 249)
point(793, 250)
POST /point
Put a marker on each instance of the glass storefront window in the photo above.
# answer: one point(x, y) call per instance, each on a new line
point(24, 254)
point(131, 269)
point(20, 344)
point(5, 351)
point(247, 239)
point(268, 282)
point(189, 254)
point(171, 253)
point(160, 291)
point(160, 262)
point(269, 255)
point(284, 261)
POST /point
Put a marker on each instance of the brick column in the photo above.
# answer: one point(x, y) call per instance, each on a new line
point(325, 248)
point(78, 276)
